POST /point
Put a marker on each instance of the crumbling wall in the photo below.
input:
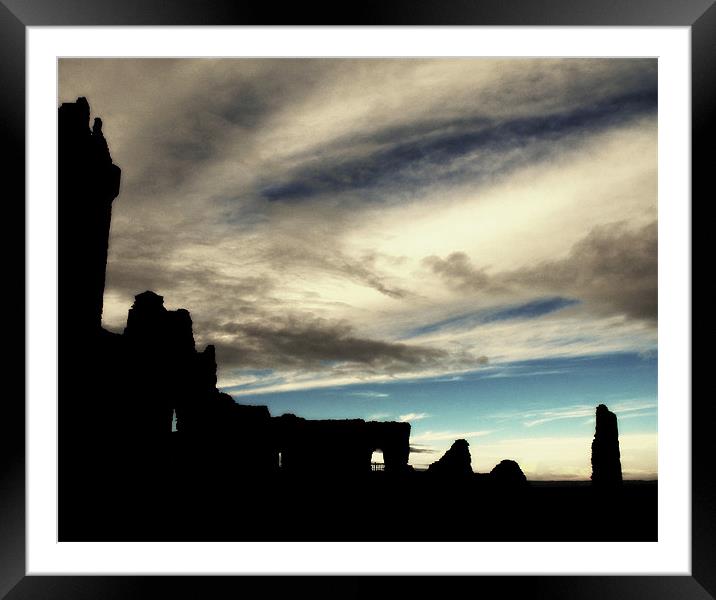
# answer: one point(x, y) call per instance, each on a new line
point(456, 462)
point(339, 447)
point(393, 439)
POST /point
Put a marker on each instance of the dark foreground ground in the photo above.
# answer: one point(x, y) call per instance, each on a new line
point(414, 507)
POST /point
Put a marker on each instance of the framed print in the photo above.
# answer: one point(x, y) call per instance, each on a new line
point(373, 299)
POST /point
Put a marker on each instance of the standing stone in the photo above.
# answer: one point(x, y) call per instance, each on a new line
point(606, 464)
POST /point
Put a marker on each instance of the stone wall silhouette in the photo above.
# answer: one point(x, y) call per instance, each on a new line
point(340, 447)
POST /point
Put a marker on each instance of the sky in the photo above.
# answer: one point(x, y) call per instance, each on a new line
point(468, 245)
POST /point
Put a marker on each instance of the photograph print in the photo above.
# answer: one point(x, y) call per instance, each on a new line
point(352, 299)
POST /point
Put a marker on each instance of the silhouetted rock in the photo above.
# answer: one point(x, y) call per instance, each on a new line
point(508, 474)
point(606, 463)
point(455, 462)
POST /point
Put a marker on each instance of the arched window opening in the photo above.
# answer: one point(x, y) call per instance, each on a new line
point(376, 461)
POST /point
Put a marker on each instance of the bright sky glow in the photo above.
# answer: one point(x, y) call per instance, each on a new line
point(468, 245)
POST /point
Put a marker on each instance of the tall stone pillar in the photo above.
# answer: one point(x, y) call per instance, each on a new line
point(606, 461)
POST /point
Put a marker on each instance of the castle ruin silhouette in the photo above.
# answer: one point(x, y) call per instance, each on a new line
point(164, 374)
point(146, 436)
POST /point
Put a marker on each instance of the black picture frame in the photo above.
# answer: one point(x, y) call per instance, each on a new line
point(17, 15)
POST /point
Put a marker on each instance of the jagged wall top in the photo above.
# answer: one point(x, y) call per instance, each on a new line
point(87, 148)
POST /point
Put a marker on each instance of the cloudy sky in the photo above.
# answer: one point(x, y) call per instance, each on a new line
point(469, 245)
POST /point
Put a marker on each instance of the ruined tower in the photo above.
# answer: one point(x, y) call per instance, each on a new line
point(606, 463)
point(88, 182)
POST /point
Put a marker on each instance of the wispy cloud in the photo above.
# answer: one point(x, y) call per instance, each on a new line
point(435, 436)
point(378, 416)
point(369, 394)
point(507, 373)
point(622, 410)
point(556, 415)
point(412, 417)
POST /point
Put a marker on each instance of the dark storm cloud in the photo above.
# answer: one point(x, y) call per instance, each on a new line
point(613, 270)
point(410, 157)
point(315, 343)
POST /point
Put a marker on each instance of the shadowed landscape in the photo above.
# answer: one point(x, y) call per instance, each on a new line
point(151, 449)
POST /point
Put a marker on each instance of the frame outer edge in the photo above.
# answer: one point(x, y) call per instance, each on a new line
point(12, 436)
point(703, 105)
point(368, 12)
point(12, 477)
